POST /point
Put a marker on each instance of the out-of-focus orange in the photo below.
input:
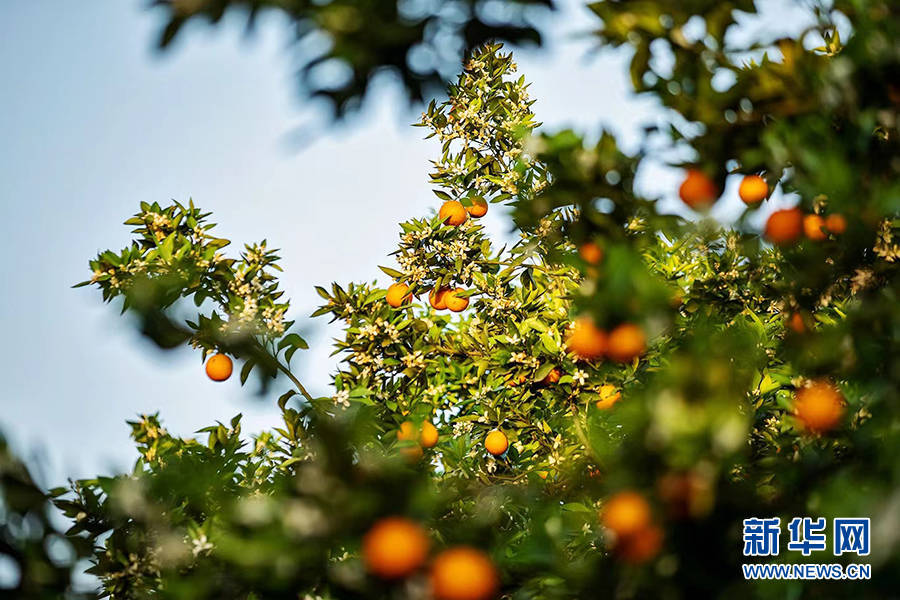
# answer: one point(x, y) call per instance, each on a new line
point(609, 395)
point(753, 189)
point(697, 190)
point(626, 513)
point(590, 252)
point(640, 546)
point(819, 406)
point(836, 224)
point(428, 437)
point(464, 573)
point(394, 547)
point(784, 226)
point(586, 340)
point(626, 342)
point(814, 227)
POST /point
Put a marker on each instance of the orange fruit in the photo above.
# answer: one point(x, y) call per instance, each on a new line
point(397, 295)
point(453, 213)
point(640, 546)
point(219, 367)
point(836, 224)
point(514, 381)
point(698, 191)
point(394, 547)
point(784, 226)
point(814, 227)
point(496, 442)
point(479, 207)
point(437, 298)
point(454, 302)
point(626, 342)
point(626, 513)
point(585, 340)
point(408, 436)
point(609, 395)
point(553, 376)
point(796, 323)
point(428, 437)
point(590, 252)
point(753, 189)
point(463, 573)
point(819, 406)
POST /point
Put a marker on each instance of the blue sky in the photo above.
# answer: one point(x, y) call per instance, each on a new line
point(94, 121)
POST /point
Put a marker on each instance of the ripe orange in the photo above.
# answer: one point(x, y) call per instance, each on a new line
point(784, 226)
point(814, 227)
point(453, 213)
point(394, 547)
point(219, 367)
point(428, 437)
point(454, 302)
point(836, 224)
point(698, 191)
point(438, 298)
point(553, 376)
point(819, 406)
point(796, 323)
point(397, 295)
point(590, 252)
point(463, 573)
point(640, 546)
point(609, 395)
point(408, 436)
point(585, 340)
point(496, 442)
point(479, 207)
point(753, 189)
point(626, 342)
point(626, 513)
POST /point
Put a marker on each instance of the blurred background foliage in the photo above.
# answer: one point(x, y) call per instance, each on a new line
point(698, 374)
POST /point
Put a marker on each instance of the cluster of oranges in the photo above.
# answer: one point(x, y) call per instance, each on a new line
point(452, 213)
point(783, 227)
point(397, 547)
point(413, 439)
point(627, 517)
point(623, 344)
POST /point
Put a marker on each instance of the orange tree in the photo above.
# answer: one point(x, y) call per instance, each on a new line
point(591, 410)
